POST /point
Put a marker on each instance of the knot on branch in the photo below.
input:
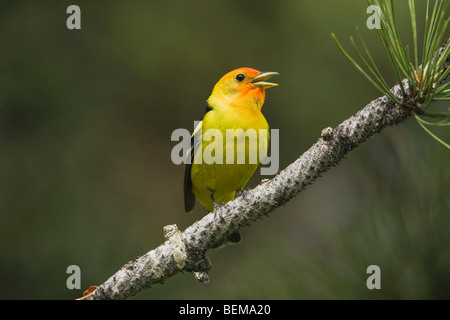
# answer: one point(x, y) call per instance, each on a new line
point(327, 133)
point(190, 260)
point(172, 234)
point(201, 276)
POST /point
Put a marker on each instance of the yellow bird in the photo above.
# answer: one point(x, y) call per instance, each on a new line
point(235, 103)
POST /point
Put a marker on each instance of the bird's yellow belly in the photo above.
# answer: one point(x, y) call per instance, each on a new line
point(227, 174)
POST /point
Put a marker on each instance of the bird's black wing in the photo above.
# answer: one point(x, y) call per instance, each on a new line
point(189, 198)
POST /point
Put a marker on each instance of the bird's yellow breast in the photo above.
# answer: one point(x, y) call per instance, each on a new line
point(222, 177)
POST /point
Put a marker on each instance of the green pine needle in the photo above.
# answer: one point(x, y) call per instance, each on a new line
point(425, 80)
point(420, 121)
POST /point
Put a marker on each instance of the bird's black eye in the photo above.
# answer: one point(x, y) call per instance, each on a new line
point(240, 77)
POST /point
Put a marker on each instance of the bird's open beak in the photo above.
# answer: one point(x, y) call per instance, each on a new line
point(259, 80)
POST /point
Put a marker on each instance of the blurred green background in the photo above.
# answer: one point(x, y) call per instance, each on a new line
point(86, 178)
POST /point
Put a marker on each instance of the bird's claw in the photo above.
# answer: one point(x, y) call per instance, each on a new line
point(239, 193)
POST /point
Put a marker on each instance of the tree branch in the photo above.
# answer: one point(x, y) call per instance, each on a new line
point(186, 251)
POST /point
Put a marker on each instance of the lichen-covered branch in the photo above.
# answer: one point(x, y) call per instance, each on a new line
point(186, 251)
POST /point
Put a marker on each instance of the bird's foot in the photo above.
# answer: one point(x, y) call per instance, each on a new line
point(216, 210)
point(216, 206)
point(239, 193)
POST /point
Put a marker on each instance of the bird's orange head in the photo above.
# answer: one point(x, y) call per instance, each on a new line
point(241, 87)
